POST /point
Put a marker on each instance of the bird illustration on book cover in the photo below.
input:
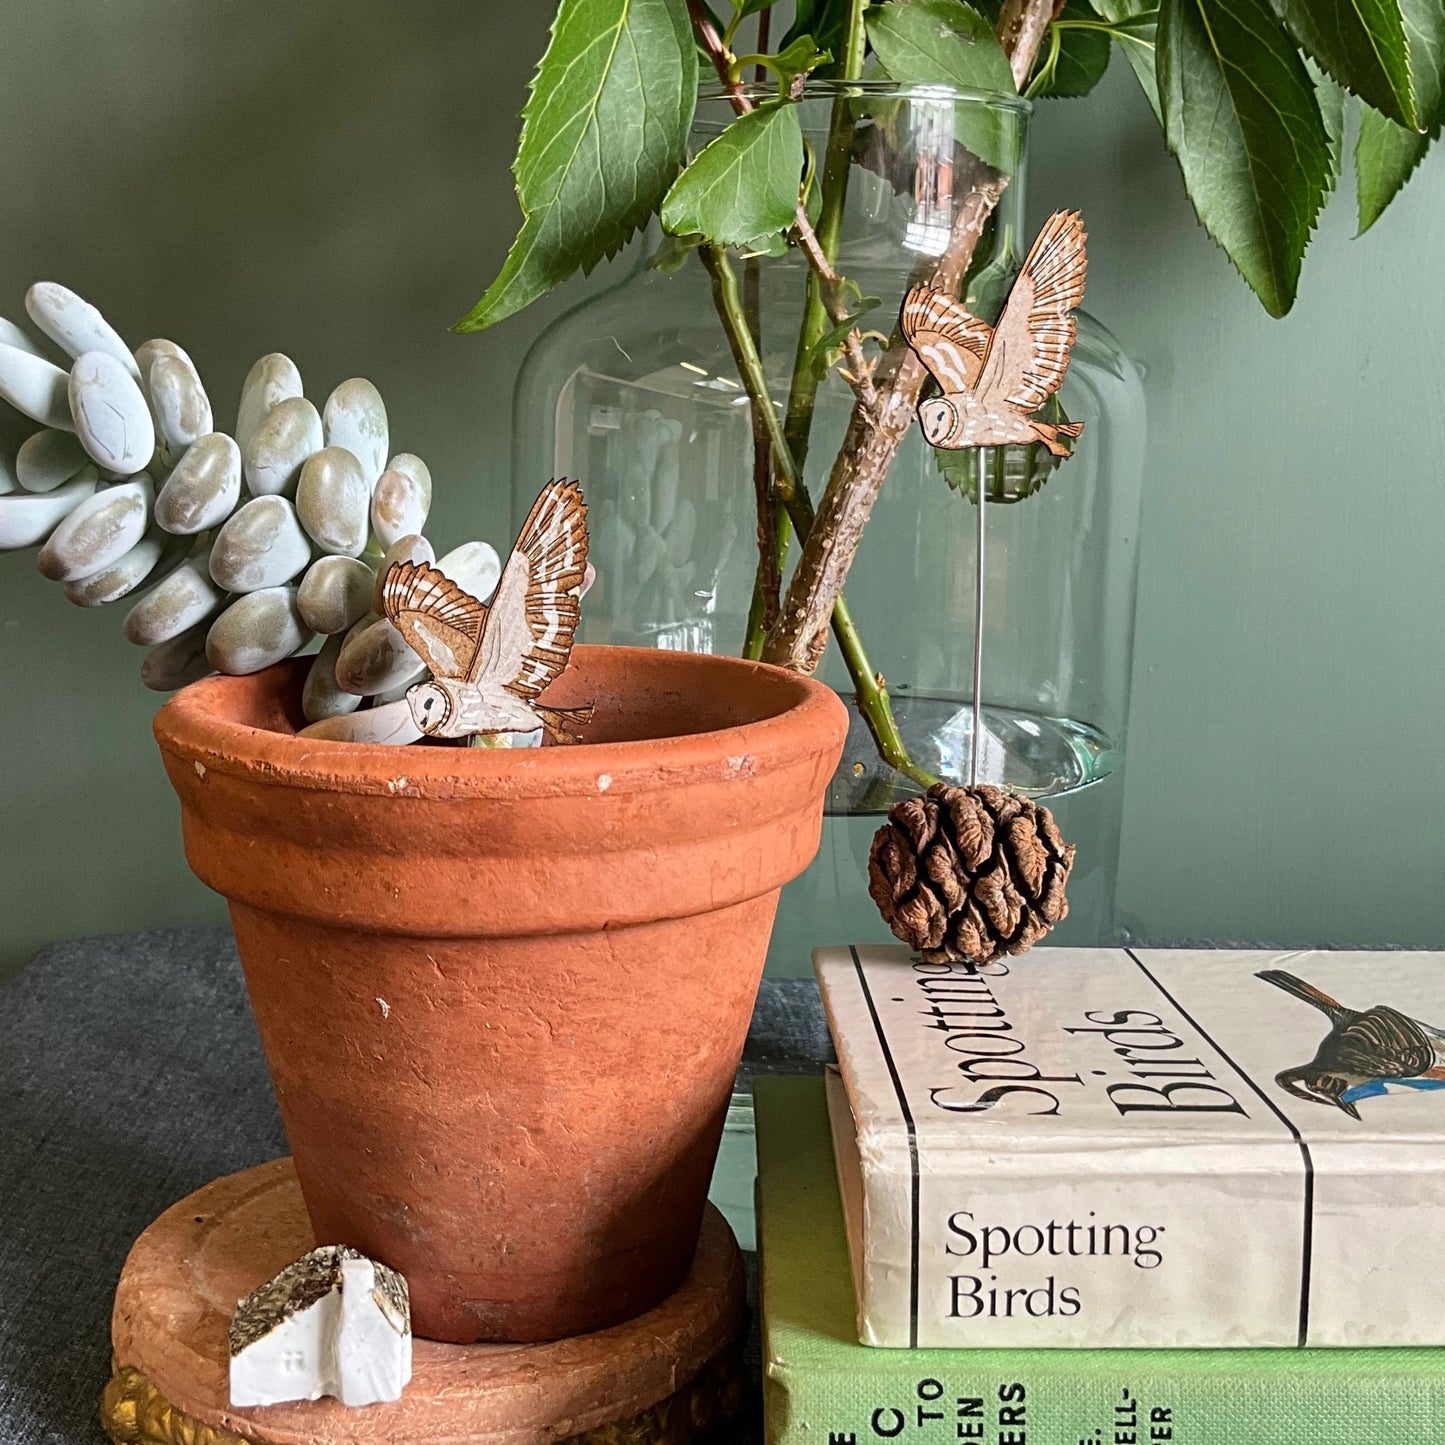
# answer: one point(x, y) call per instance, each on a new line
point(1365, 1051)
point(491, 664)
point(994, 378)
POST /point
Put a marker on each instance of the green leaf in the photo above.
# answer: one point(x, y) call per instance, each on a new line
point(671, 255)
point(817, 354)
point(1081, 59)
point(800, 57)
point(827, 22)
point(1362, 44)
point(811, 187)
point(744, 184)
point(945, 42)
point(603, 133)
point(1241, 117)
point(743, 8)
point(774, 244)
point(1331, 100)
point(932, 42)
point(1017, 472)
point(1386, 154)
point(1136, 23)
point(1425, 32)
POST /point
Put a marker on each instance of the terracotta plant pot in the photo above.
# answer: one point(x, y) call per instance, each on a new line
point(503, 993)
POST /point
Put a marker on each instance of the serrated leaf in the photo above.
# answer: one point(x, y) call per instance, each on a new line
point(1331, 100)
point(945, 42)
point(743, 185)
point(1082, 59)
point(603, 133)
point(1136, 24)
point(774, 244)
point(939, 42)
point(1362, 44)
point(1386, 154)
point(1425, 32)
point(1240, 116)
point(1015, 473)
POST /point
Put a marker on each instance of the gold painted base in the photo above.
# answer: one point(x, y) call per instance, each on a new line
point(615, 1387)
point(134, 1412)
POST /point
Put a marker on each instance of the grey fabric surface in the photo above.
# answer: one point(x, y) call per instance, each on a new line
point(130, 1074)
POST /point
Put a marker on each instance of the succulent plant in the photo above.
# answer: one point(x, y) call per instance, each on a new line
point(233, 550)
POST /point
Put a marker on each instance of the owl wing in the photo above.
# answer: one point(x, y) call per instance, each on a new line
point(442, 623)
point(533, 617)
point(950, 340)
point(1029, 352)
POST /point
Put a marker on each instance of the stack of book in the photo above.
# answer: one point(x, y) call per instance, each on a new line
point(1110, 1198)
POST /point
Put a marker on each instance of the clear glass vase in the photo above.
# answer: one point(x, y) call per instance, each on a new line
point(636, 393)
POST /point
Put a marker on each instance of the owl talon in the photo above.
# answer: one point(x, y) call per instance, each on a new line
point(555, 721)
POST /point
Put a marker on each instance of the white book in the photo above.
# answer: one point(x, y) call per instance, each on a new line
point(1104, 1147)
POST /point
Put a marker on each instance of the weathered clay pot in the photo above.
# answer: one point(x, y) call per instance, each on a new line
point(503, 993)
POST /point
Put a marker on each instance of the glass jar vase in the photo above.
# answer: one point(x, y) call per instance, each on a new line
point(637, 393)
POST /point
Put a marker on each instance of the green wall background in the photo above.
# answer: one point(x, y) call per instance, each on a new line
point(330, 180)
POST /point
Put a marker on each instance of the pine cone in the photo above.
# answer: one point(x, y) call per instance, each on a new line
point(969, 874)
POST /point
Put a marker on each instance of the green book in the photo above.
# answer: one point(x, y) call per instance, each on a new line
point(821, 1387)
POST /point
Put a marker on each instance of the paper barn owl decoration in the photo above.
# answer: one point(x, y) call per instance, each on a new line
point(994, 378)
point(490, 664)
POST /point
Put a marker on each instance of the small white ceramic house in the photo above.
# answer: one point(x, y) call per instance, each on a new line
point(333, 1323)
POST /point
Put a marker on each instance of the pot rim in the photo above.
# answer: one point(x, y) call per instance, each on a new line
point(810, 718)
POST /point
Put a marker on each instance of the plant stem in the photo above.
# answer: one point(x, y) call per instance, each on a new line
point(803, 389)
point(792, 502)
point(803, 385)
point(768, 586)
point(807, 240)
point(874, 435)
point(773, 527)
point(1022, 25)
point(869, 688)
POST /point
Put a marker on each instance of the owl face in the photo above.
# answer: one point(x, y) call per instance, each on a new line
point(940, 421)
point(431, 706)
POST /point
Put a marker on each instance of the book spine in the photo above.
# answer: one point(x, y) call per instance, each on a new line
point(1149, 1224)
point(1008, 1402)
point(1073, 1253)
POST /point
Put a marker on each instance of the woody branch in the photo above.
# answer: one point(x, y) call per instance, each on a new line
point(875, 433)
point(860, 368)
